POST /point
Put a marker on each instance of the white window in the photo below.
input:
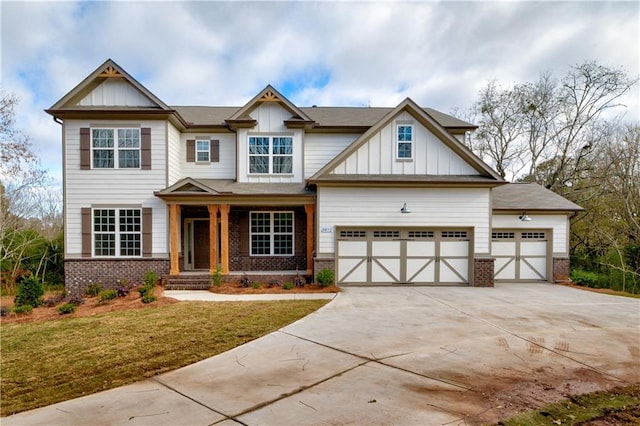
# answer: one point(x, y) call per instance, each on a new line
point(117, 232)
point(109, 145)
point(203, 153)
point(270, 155)
point(271, 233)
point(404, 149)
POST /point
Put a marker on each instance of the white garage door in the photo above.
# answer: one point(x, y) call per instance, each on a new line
point(402, 256)
point(521, 255)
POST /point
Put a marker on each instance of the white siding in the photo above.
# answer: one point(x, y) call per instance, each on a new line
point(224, 169)
point(319, 149)
point(437, 207)
point(270, 117)
point(113, 187)
point(559, 223)
point(174, 160)
point(430, 157)
point(116, 92)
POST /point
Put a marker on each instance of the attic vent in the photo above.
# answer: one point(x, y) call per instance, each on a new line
point(110, 72)
point(269, 96)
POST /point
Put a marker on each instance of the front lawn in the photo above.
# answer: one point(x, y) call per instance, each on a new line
point(47, 362)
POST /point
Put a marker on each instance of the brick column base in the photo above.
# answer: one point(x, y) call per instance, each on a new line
point(324, 262)
point(561, 269)
point(483, 272)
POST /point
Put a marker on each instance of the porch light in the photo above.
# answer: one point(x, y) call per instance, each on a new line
point(405, 209)
point(525, 217)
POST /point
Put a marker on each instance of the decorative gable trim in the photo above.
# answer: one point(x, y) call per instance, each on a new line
point(424, 118)
point(186, 186)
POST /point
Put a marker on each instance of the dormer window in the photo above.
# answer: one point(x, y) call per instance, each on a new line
point(270, 155)
point(404, 150)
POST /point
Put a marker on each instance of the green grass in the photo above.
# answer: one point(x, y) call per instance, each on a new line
point(619, 405)
point(48, 362)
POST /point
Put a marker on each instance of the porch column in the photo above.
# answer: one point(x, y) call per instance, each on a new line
point(309, 209)
point(174, 238)
point(224, 237)
point(213, 238)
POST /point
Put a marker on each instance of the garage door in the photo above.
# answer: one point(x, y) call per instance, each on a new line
point(521, 255)
point(403, 256)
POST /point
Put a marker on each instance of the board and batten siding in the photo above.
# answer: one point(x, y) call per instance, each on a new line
point(270, 119)
point(223, 169)
point(116, 92)
point(430, 207)
point(378, 155)
point(558, 223)
point(319, 149)
point(113, 187)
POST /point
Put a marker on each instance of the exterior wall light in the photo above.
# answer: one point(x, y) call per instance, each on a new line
point(405, 209)
point(525, 217)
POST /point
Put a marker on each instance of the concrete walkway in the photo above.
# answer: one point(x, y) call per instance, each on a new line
point(388, 355)
point(203, 295)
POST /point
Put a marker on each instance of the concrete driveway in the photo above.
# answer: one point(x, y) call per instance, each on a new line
point(392, 355)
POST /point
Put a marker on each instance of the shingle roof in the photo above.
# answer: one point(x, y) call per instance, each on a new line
point(324, 116)
point(529, 197)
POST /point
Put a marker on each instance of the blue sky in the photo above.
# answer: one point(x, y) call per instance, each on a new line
point(316, 53)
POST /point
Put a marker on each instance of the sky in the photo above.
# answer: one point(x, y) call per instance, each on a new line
point(325, 53)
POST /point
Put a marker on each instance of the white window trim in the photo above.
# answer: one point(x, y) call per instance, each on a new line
point(116, 232)
point(116, 149)
point(398, 141)
point(272, 233)
point(270, 155)
point(208, 151)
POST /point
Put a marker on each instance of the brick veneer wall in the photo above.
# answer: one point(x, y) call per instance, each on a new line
point(483, 272)
point(561, 269)
point(320, 263)
point(78, 273)
point(239, 261)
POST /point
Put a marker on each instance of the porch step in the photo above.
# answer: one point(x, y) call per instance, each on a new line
point(187, 282)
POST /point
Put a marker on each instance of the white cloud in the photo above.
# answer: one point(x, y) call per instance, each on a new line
point(356, 53)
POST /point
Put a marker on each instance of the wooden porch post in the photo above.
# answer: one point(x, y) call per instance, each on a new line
point(174, 238)
point(213, 238)
point(309, 209)
point(224, 237)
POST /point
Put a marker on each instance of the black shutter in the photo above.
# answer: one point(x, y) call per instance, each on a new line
point(86, 231)
point(85, 148)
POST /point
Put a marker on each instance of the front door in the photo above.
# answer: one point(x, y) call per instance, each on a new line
point(196, 244)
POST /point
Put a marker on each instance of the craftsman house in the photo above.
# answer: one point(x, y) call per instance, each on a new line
point(379, 195)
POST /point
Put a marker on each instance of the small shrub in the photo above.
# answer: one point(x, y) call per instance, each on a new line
point(585, 278)
point(106, 295)
point(300, 281)
point(217, 278)
point(4, 311)
point(50, 302)
point(256, 285)
point(30, 292)
point(76, 300)
point(245, 281)
point(145, 290)
point(288, 286)
point(275, 283)
point(67, 308)
point(325, 277)
point(23, 309)
point(150, 279)
point(123, 289)
point(93, 289)
point(148, 298)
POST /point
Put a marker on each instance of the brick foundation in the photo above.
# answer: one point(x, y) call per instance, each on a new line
point(78, 273)
point(483, 272)
point(320, 263)
point(561, 269)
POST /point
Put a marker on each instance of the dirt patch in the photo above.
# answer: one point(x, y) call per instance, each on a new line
point(236, 288)
point(88, 308)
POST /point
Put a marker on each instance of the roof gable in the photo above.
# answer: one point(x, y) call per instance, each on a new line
point(269, 94)
point(109, 86)
point(353, 162)
point(187, 186)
